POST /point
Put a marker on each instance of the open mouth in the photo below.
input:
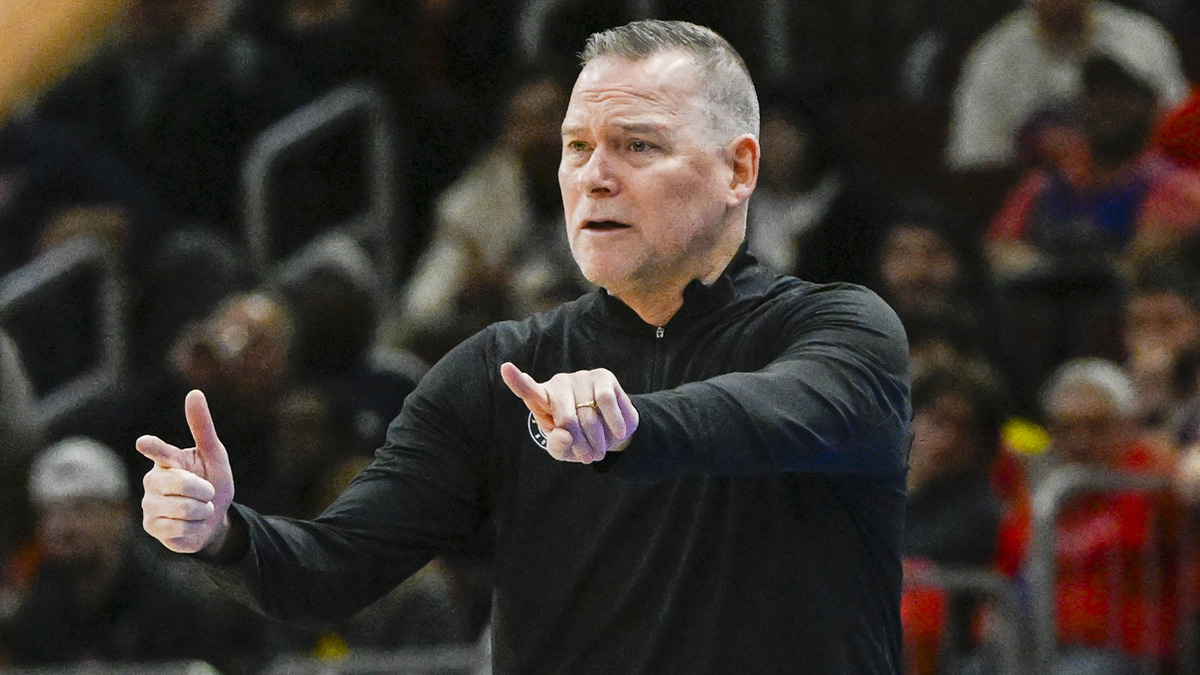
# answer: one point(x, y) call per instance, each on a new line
point(604, 225)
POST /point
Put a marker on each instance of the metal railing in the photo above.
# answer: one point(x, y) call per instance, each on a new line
point(300, 129)
point(148, 668)
point(1053, 496)
point(22, 289)
point(436, 660)
point(1005, 628)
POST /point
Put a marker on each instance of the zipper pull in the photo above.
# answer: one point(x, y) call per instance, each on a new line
point(658, 332)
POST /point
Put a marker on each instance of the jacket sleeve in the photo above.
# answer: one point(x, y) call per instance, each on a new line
point(834, 400)
point(424, 495)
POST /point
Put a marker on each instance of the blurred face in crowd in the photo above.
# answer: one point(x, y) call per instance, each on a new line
point(943, 442)
point(78, 534)
point(785, 152)
point(532, 129)
point(1161, 320)
point(1085, 425)
point(243, 348)
point(1119, 120)
point(649, 189)
point(918, 267)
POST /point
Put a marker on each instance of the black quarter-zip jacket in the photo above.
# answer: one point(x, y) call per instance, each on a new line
point(753, 525)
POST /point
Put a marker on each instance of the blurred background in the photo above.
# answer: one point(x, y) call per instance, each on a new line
point(299, 205)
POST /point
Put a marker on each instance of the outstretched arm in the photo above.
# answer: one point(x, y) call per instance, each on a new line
point(834, 400)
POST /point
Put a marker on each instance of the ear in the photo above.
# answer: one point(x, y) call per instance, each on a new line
point(744, 152)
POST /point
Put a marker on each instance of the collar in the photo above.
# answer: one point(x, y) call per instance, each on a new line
point(699, 300)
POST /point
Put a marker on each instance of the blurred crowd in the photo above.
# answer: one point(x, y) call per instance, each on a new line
point(1019, 179)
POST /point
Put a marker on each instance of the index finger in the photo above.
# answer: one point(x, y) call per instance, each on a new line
point(163, 453)
point(520, 383)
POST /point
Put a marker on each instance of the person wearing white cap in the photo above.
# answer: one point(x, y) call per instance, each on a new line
point(96, 594)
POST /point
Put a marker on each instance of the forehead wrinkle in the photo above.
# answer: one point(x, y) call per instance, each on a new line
point(628, 113)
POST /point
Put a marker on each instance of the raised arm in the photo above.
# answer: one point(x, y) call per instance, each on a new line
point(835, 400)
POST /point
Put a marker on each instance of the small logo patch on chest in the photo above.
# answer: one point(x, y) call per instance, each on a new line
point(535, 432)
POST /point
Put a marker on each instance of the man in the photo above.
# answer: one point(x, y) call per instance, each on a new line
point(1115, 552)
point(98, 593)
point(747, 433)
point(1032, 60)
point(497, 245)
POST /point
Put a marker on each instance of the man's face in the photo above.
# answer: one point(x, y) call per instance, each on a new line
point(942, 435)
point(80, 531)
point(1161, 321)
point(1084, 426)
point(1119, 121)
point(646, 183)
point(918, 267)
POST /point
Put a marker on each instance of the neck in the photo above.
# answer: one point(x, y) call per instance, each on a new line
point(658, 301)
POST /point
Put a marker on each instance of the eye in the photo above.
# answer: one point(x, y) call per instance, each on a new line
point(639, 146)
point(576, 146)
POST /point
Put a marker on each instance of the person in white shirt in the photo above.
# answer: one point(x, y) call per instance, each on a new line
point(1033, 59)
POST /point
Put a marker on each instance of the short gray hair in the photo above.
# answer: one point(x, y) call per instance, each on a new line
point(1103, 375)
point(729, 88)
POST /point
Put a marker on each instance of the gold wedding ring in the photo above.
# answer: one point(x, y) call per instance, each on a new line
point(586, 404)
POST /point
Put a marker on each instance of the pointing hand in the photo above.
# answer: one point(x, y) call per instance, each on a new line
point(584, 415)
point(188, 491)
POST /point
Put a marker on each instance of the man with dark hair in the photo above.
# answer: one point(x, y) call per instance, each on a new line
point(703, 467)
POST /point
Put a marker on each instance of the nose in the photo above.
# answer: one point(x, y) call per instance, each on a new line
point(596, 176)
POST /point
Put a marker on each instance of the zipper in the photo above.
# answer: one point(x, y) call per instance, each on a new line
point(656, 358)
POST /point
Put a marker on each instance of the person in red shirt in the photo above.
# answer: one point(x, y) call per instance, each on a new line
point(1113, 559)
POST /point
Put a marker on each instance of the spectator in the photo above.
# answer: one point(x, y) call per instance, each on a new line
point(98, 593)
point(816, 215)
point(1126, 195)
point(1033, 59)
point(1104, 541)
point(184, 279)
point(240, 353)
point(925, 260)
point(177, 96)
point(1063, 241)
point(955, 508)
point(333, 295)
point(953, 512)
point(52, 178)
point(499, 246)
point(932, 271)
point(1161, 329)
